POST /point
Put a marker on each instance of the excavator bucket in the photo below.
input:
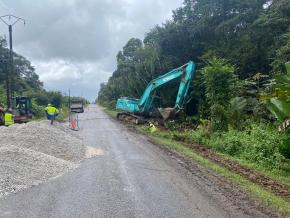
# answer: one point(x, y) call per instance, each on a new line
point(167, 113)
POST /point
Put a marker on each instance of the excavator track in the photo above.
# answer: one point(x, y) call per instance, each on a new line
point(132, 118)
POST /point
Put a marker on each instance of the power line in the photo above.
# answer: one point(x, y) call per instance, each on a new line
point(10, 20)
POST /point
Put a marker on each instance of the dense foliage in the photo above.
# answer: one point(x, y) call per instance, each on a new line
point(22, 79)
point(240, 48)
point(260, 144)
point(253, 36)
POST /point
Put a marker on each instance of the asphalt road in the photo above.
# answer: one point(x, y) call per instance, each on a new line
point(131, 178)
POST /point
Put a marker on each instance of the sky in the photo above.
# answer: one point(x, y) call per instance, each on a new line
point(73, 43)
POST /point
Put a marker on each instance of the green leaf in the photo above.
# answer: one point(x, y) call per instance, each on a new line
point(280, 108)
point(288, 67)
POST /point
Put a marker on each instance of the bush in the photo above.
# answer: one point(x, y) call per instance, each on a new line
point(258, 143)
point(179, 136)
point(236, 111)
point(219, 118)
point(220, 80)
point(38, 111)
point(285, 146)
point(200, 136)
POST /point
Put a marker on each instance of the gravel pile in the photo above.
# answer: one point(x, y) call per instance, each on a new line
point(54, 140)
point(35, 152)
point(21, 168)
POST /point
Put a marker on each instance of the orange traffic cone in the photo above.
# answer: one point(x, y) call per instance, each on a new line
point(73, 124)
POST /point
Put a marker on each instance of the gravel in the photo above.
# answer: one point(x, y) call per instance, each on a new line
point(35, 152)
point(55, 140)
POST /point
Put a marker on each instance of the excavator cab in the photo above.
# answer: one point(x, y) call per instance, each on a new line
point(22, 109)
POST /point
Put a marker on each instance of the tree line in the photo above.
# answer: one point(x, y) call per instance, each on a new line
point(25, 82)
point(250, 38)
point(241, 90)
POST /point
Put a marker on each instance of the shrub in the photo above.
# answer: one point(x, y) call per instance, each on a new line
point(285, 146)
point(176, 135)
point(219, 81)
point(38, 111)
point(219, 118)
point(258, 143)
point(200, 135)
point(236, 112)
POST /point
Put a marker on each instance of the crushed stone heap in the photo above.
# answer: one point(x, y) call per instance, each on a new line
point(35, 152)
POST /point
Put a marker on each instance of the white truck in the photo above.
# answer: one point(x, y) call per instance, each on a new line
point(77, 106)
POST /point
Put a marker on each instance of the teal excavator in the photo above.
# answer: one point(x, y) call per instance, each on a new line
point(138, 110)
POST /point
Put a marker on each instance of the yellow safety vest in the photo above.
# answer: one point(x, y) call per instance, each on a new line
point(8, 118)
point(152, 128)
point(51, 110)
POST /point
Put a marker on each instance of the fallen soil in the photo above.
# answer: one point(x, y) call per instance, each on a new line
point(253, 176)
point(35, 152)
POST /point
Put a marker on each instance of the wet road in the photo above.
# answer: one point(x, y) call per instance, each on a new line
point(130, 178)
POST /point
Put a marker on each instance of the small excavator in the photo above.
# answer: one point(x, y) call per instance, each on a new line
point(21, 109)
point(140, 110)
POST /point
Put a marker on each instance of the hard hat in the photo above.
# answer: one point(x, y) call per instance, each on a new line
point(48, 104)
point(9, 110)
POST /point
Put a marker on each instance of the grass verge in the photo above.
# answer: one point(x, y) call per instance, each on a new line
point(278, 203)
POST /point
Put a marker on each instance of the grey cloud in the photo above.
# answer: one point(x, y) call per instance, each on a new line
point(80, 33)
point(60, 29)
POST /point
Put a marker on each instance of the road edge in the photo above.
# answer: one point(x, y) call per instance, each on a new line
point(254, 191)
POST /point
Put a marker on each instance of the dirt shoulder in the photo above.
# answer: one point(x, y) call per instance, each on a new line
point(217, 185)
point(253, 176)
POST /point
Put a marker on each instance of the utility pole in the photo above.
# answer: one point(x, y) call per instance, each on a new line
point(10, 20)
point(69, 105)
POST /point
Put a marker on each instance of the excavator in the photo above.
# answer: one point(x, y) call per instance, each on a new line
point(139, 110)
point(21, 109)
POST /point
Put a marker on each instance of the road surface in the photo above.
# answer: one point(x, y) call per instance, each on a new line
point(130, 178)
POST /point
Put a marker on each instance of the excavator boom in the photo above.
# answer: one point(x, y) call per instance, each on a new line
point(145, 105)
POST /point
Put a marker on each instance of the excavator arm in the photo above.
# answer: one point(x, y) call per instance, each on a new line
point(145, 104)
point(184, 72)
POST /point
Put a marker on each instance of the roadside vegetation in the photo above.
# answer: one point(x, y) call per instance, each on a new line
point(239, 105)
point(259, 192)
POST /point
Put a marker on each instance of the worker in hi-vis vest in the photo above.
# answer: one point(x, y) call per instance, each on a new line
point(51, 112)
point(8, 118)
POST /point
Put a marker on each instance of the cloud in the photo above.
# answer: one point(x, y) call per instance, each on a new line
point(76, 41)
point(82, 78)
